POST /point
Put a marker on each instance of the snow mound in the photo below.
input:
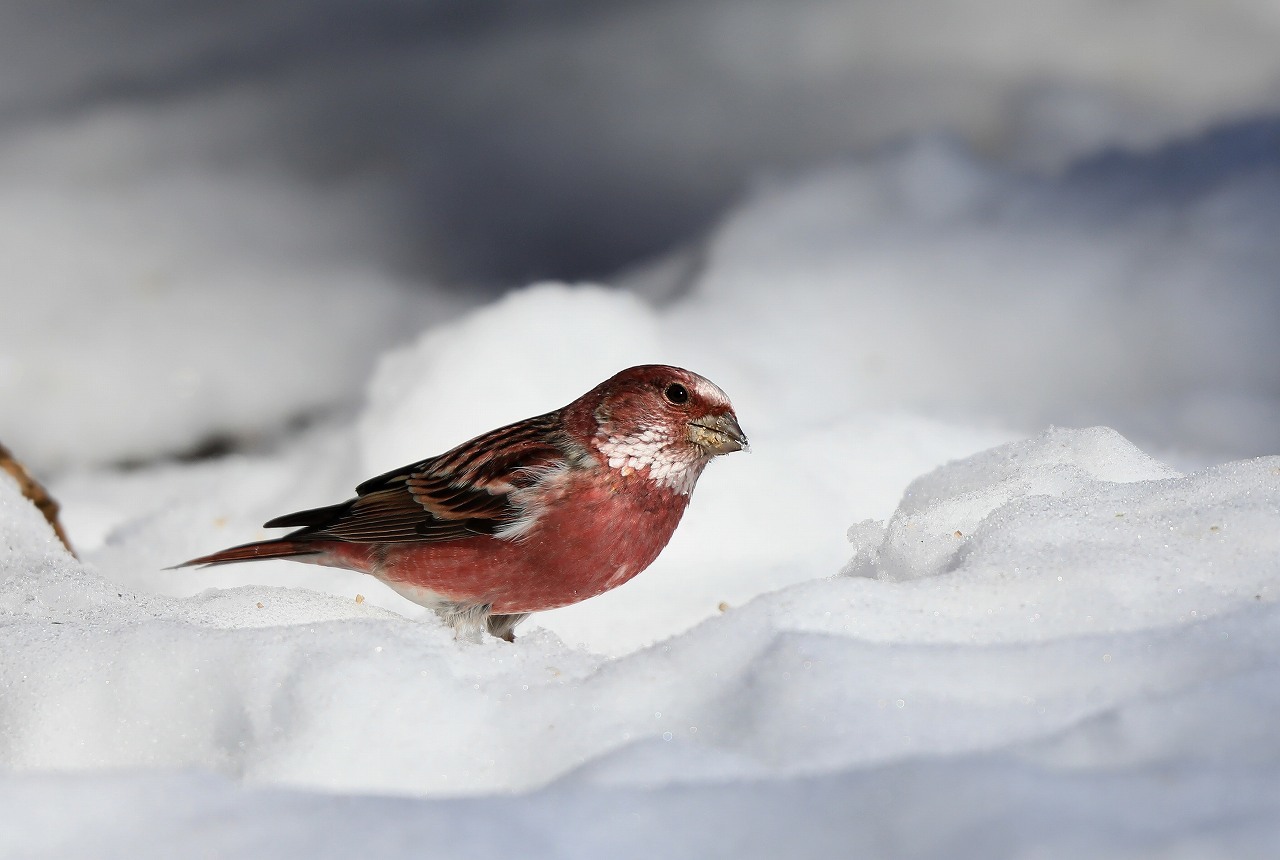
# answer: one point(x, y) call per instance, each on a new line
point(1071, 532)
point(925, 535)
point(528, 353)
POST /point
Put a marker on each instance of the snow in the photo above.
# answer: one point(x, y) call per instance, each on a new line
point(939, 508)
point(1064, 659)
point(999, 578)
point(501, 349)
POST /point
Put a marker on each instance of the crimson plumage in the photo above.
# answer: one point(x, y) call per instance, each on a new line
point(541, 513)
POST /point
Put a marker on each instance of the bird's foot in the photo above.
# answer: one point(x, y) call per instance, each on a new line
point(504, 626)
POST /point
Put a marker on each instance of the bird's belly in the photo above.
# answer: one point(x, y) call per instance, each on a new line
point(419, 594)
point(582, 545)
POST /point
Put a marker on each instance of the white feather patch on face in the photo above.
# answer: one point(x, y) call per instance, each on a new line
point(668, 464)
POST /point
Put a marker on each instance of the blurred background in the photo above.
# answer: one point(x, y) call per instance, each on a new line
point(216, 215)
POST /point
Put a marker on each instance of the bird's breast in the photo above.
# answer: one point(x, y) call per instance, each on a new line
point(599, 535)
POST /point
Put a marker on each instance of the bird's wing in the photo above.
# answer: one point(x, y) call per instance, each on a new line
point(462, 493)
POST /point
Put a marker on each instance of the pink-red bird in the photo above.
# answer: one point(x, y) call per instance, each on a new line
point(541, 513)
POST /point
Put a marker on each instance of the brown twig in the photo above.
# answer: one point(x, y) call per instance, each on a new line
point(38, 495)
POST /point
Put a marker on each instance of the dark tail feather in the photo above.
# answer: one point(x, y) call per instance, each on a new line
point(282, 548)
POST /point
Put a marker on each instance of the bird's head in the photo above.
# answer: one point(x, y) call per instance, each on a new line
point(662, 422)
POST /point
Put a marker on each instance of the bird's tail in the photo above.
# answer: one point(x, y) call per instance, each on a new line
point(279, 548)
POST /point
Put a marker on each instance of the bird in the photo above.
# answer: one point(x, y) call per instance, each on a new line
point(534, 515)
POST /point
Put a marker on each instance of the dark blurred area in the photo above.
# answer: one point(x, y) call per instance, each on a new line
point(501, 142)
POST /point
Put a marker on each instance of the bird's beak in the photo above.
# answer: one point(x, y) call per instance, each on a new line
point(718, 434)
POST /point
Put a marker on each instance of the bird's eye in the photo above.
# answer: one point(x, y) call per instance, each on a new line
point(677, 394)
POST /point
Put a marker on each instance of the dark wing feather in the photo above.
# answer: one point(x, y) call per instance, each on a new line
point(461, 493)
point(312, 517)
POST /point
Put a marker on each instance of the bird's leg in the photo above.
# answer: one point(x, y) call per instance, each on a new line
point(504, 626)
point(468, 620)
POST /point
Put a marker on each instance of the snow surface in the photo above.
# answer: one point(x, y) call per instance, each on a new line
point(1103, 635)
point(999, 578)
